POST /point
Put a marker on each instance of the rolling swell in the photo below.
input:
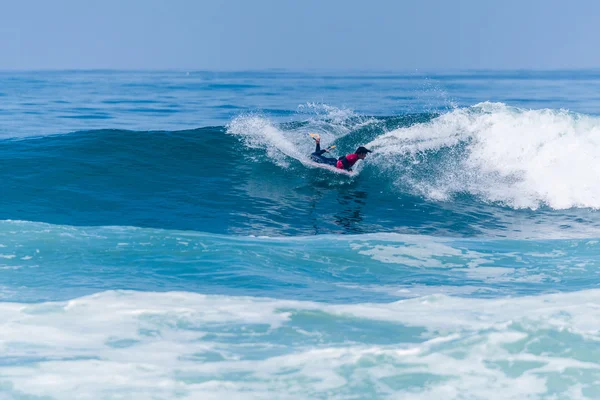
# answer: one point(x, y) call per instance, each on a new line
point(50, 262)
point(251, 177)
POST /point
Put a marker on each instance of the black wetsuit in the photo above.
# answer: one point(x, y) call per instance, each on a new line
point(317, 157)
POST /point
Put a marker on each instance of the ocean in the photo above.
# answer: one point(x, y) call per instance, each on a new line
point(163, 235)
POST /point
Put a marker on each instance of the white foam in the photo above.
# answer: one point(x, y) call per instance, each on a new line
point(522, 158)
point(417, 253)
point(167, 345)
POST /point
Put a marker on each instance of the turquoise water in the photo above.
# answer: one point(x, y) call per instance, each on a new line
point(163, 235)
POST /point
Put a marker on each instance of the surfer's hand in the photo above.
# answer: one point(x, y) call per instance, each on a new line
point(318, 139)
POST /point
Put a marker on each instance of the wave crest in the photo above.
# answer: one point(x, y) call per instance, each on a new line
point(521, 158)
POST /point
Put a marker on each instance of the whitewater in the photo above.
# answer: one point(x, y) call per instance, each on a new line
point(164, 235)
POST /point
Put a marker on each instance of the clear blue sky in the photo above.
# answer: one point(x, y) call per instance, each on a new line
point(308, 34)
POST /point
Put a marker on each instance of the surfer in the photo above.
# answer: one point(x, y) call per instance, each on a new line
point(345, 162)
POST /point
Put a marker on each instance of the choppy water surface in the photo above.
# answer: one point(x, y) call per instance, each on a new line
point(164, 235)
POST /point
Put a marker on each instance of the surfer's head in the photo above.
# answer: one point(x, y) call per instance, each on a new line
point(361, 152)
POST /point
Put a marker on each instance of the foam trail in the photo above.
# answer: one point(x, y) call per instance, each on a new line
point(521, 158)
point(259, 132)
point(282, 143)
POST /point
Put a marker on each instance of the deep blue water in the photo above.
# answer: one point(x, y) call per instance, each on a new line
point(164, 235)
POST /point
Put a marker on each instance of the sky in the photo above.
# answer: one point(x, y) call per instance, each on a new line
point(379, 35)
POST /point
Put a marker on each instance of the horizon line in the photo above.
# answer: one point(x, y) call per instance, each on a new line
point(303, 70)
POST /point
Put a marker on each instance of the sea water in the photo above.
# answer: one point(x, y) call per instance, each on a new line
point(163, 236)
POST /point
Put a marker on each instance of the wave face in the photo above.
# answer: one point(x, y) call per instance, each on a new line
point(164, 235)
point(472, 171)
